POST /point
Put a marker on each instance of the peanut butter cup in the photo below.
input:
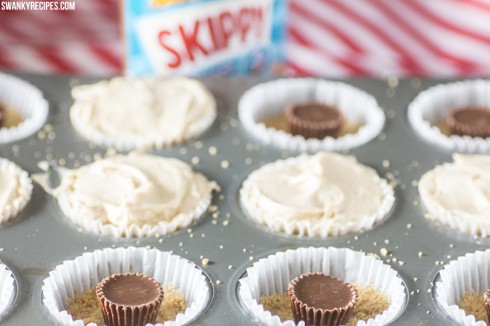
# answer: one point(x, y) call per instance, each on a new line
point(129, 299)
point(486, 299)
point(469, 121)
point(314, 120)
point(320, 299)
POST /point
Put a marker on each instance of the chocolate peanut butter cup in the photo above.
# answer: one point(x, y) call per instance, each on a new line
point(129, 299)
point(314, 120)
point(486, 299)
point(320, 299)
point(469, 121)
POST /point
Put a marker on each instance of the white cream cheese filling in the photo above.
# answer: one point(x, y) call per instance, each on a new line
point(460, 189)
point(142, 113)
point(131, 190)
point(325, 190)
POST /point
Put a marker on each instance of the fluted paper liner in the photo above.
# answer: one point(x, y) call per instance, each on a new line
point(432, 105)
point(272, 98)
point(7, 288)
point(272, 275)
point(303, 228)
point(466, 273)
point(147, 230)
point(86, 271)
point(141, 143)
point(24, 190)
point(27, 100)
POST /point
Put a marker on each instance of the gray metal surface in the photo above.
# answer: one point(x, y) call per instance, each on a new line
point(41, 238)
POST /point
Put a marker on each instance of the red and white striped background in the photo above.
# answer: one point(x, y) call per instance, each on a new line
point(326, 37)
point(390, 37)
point(83, 41)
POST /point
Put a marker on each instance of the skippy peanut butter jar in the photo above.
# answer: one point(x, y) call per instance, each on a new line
point(204, 37)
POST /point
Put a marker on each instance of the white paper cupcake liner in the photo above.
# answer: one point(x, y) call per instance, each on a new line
point(272, 275)
point(7, 288)
point(141, 143)
point(86, 271)
point(468, 272)
point(180, 221)
point(301, 228)
point(272, 98)
point(27, 100)
point(432, 105)
point(24, 190)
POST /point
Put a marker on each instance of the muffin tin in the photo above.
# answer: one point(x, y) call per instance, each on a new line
point(41, 238)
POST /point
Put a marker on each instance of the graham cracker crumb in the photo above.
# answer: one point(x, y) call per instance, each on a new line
point(212, 151)
point(393, 82)
point(195, 160)
point(11, 117)
point(383, 252)
point(85, 306)
point(225, 164)
point(278, 304)
point(370, 303)
point(390, 92)
point(472, 303)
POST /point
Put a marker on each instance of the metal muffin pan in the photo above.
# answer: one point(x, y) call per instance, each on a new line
point(41, 238)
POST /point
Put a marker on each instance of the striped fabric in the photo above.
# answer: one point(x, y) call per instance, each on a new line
point(326, 37)
point(83, 41)
point(389, 37)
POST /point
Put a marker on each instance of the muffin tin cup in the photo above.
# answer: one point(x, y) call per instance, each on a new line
point(7, 289)
point(466, 273)
point(28, 101)
point(142, 142)
point(86, 271)
point(272, 275)
point(272, 98)
point(24, 190)
point(315, 230)
point(432, 105)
